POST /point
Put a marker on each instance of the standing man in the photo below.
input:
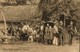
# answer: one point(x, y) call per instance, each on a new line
point(71, 32)
point(34, 33)
point(42, 33)
point(50, 34)
point(47, 36)
point(61, 33)
point(9, 30)
point(55, 33)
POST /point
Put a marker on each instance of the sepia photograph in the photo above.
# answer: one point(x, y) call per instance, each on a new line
point(39, 25)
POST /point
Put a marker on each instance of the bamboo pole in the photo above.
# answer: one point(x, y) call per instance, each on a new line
point(4, 21)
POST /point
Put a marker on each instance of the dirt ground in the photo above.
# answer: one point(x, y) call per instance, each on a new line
point(23, 46)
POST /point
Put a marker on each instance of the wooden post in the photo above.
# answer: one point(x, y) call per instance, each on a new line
point(79, 43)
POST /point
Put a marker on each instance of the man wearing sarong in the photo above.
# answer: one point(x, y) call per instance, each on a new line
point(47, 35)
point(55, 32)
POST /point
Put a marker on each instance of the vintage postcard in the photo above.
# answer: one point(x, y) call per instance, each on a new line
point(39, 25)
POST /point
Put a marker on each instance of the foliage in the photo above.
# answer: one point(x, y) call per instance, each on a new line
point(54, 8)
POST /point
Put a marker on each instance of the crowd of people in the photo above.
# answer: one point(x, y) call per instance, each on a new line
point(45, 34)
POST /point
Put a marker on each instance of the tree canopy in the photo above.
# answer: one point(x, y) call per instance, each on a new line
point(52, 9)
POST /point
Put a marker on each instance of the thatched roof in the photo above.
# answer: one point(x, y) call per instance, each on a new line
point(17, 13)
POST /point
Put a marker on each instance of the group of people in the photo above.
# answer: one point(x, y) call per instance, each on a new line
point(23, 32)
point(54, 35)
point(45, 34)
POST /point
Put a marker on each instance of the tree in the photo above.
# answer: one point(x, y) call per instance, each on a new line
point(50, 8)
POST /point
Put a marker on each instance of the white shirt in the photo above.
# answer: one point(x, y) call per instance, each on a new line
point(55, 29)
point(30, 30)
point(25, 28)
point(42, 27)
